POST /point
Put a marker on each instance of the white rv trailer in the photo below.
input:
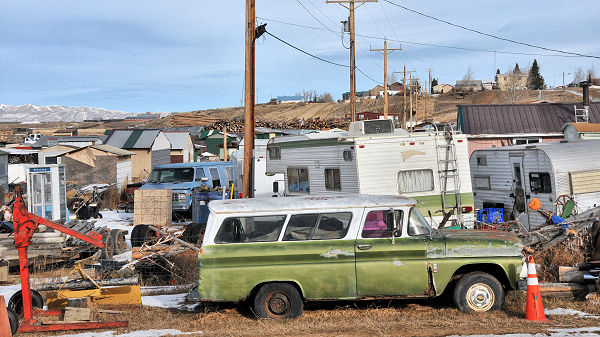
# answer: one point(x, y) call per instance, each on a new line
point(373, 158)
point(263, 184)
point(509, 177)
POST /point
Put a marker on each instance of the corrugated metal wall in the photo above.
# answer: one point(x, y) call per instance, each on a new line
point(123, 173)
point(160, 157)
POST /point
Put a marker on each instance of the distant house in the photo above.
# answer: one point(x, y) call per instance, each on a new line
point(289, 99)
point(214, 144)
point(151, 147)
point(515, 80)
point(498, 125)
point(182, 148)
point(376, 91)
point(359, 94)
point(442, 88)
point(53, 154)
point(98, 164)
point(369, 115)
point(65, 133)
point(469, 85)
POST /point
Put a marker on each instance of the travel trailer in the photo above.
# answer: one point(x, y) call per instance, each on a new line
point(509, 177)
point(373, 158)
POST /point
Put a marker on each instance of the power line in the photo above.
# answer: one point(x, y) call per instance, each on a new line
point(490, 35)
point(423, 43)
point(319, 58)
point(387, 19)
point(314, 17)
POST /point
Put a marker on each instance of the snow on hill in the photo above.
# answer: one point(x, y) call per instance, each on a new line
point(54, 113)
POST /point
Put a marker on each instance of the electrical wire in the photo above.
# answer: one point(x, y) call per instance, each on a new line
point(491, 35)
point(314, 17)
point(422, 43)
point(320, 58)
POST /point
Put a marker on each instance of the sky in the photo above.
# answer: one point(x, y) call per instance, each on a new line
point(141, 56)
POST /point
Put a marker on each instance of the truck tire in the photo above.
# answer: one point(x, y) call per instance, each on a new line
point(13, 320)
point(479, 292)
point(192, 233)
point(278, 301)
point(109, 246)
point(141, 234)
point(119, 243)
point(16, 301)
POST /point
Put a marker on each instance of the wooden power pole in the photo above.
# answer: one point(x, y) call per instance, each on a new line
point(249, 85)
point(385, 51)
point(404, 92)
point(351, 8)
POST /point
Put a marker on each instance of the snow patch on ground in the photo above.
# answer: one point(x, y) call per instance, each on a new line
point(8, 291)
point(176, 301)
point(117, 220)
point(573, 332)
point(140, 333)
point(572, 312)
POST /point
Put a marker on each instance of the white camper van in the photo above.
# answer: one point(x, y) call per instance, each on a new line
point(509, 177)
point(373, 158)
point(263, 183)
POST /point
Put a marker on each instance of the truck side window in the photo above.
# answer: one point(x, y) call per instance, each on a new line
point(376, 225)
point(199, 174)
point(417, 225)
point(300, 227)
point(250, 229)
point(214, 174)
point(332, 226)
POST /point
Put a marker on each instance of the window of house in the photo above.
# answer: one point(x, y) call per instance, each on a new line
point(250, 229)
point(539, 182)
point(481, 161)
point(482, 182)
point(323, 226)
point(332, 180)
point(415, 181)
point(298, 179)
point(214, 174)
point(377, 224)
point(524, 141)
point(274, 152)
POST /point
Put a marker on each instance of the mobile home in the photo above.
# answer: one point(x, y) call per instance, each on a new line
point(372, 158)
point(509, 177)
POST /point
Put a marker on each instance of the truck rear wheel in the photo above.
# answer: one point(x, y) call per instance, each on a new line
point(278, 301)
point(479, 292)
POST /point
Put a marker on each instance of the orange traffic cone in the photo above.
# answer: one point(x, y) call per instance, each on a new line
point(535, 307)
point(4, 322)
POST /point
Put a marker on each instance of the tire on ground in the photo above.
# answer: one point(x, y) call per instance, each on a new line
point(108, 250)
point(478, 291)
point(141, 234)
point(278, 301)
point(16, 301)
point(13, 320)
point(192, 233)
point(119, 243)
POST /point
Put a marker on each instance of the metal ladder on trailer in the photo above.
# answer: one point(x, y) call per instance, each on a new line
point(448, 172)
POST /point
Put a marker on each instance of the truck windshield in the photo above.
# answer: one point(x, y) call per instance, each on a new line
point(171, 175)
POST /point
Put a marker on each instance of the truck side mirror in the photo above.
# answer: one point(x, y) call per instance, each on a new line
point(390, 221)
point(275, 187)
point(204, 179)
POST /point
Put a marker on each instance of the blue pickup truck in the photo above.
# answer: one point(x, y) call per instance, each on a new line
point(184, 178)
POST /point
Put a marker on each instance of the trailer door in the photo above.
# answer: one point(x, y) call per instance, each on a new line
point(518, 194)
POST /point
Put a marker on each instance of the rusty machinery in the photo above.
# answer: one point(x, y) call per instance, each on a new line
point(25, 225)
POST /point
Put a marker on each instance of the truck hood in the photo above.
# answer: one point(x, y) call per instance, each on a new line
point(170, 186)
point(463, 243)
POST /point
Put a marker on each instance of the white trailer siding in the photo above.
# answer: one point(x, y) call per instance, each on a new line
point(123, 173)
point(561, 161)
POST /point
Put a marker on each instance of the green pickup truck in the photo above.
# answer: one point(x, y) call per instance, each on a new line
point(278, 253)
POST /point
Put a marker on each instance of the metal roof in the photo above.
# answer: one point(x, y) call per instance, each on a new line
point(146, 139)
point(520, 118)
point(117, 138)
point(308, 203)
point(132, 139)
point(112, 149)
point(177, 139)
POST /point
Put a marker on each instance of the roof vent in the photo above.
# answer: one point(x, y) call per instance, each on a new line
point(369, 127)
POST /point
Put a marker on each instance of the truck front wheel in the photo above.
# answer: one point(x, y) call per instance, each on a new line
point(478, 291)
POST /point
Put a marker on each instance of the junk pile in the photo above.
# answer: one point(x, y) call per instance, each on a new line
point(236, 125)
point(567, 250)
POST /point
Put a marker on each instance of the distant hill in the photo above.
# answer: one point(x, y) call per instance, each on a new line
point(55, 113)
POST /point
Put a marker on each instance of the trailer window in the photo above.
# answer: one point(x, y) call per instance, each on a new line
point(214, 174)
point(297, 179)
point(539, 182)
point(481, 161)
point(481, 182)
point(274, 152)
point(250, 229)
point(415, 181)
point(332, 180)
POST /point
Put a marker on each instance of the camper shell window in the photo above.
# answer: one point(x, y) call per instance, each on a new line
point(250, 229)
point(318, 226)
point(415, 181)
point(274, 152)
point(540, 182)
point(297, 179)
point(332, 180)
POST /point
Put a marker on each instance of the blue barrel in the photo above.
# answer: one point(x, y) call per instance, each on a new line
point(200, 200)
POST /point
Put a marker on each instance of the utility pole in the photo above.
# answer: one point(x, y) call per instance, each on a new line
point(428, 95)
point(351, 8)
point(404, 93)
point(224, 144)
point(385, 51)
point(249, 86)
point(410, 85)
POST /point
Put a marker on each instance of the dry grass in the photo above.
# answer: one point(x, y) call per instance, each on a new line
point(399, 318)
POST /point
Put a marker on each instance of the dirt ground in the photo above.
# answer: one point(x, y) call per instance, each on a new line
point(399, 318)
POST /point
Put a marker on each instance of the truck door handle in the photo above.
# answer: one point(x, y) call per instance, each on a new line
point(363, 247)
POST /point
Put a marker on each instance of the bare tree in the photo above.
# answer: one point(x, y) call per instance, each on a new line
point(591, 73)
point(392, 77)
point(469, 75)
point(578, 76)
point(325, 98)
